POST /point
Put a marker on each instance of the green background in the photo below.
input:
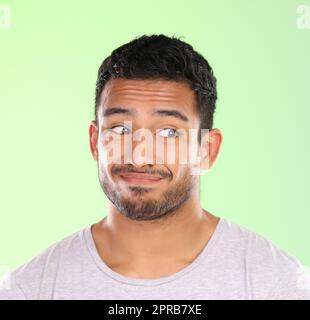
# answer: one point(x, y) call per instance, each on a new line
point(48, 64)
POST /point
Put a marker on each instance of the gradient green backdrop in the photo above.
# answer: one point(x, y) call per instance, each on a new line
point(48, 64)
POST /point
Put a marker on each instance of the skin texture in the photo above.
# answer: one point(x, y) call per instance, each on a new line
point(151, 231)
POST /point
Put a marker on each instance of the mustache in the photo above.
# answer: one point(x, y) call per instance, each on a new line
point(131, 169)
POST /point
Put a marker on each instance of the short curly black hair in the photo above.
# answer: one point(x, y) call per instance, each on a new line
point(162, 57)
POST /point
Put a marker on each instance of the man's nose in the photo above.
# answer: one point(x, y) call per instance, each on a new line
point(142, 148)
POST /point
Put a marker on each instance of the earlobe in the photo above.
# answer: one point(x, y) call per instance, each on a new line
point(95, 154)
point(205, 152)
point(201, 162)
point(93, 138)
point(210, 147)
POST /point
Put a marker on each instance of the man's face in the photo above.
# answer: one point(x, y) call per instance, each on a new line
point(146, 199)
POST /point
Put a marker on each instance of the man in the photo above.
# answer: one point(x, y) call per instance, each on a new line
point(156, 241)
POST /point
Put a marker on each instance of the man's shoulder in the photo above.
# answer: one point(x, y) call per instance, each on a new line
point(53, 252)
point(25, 279)
point(267, 264)
point(255, 245)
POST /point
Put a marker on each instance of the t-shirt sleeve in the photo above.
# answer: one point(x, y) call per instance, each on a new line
point(36, 278)
point(275, 274)
point(9, 289)
point(293, 284)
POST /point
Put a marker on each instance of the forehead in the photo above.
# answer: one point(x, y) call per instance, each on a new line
point(146, 95)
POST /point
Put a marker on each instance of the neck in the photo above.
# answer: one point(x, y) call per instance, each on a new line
point(149, 243)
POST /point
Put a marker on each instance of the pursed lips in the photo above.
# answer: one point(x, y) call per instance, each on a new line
point(141, 176)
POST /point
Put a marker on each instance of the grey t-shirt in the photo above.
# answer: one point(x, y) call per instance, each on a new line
point(236, 263)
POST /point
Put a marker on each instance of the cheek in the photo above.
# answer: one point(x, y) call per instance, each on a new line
point(104, 172)
point(110, 145)
point(184, 174)
point(172, 151)
point(179, 173)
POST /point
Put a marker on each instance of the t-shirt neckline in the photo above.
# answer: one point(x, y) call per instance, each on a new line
point(150, 282)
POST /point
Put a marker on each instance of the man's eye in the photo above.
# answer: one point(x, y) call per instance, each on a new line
point(119, 130)
point(169, 133)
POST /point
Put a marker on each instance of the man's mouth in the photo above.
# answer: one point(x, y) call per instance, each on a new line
point(140, 178)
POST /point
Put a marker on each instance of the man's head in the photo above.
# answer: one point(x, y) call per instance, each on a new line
point(162, 85)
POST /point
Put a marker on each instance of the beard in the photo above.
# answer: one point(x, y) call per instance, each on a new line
point(137, 207)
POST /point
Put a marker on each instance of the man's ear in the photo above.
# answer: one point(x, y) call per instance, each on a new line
point(93, 139)
point(211, 141)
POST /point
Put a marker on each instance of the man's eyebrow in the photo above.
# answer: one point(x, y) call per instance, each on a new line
point(118, 110)
point(159, 112)
point(172, 113)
